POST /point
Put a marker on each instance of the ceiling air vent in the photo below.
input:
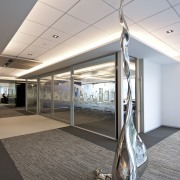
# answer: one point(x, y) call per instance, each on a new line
point(17, 63)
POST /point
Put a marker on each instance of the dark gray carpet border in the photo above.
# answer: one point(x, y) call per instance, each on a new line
point(99, 140)
point(150, 139)
point(157, 135)
point(8, 170)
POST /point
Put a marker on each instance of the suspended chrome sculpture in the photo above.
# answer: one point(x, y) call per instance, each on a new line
point(130, 158)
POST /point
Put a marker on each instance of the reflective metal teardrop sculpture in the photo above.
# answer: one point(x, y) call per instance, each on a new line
point(130, 159)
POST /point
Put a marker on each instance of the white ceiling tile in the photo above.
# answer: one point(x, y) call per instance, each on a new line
point(11, 52)
point(174, 2)
point(111, 23)
point(40, 42)
point(75, 43)
point(137, 31)
point(157, 44)
point(175, 46)
point(32, 28)
point(34, 49)
point(63, 5)
point(50, 32)
point(91, 34)
point(23, 38)
point(44, 14)
point(54, 53)
point(173, 39)
point(91, 11)
point(16, 45)
point(160, 20)
point(66, 23)
point(129, 21)
point(27, 54)
point(177, 8)
point(162, 33)
point(141, 9)
point(116, 3)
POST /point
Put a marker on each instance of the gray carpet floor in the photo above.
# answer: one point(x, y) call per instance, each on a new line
point(56, 154)
point(164, 160)
point(11, 111)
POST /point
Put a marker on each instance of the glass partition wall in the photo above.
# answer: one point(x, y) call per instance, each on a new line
point(45, 94)
point(31, 95)
point(94, 96)
point(9, 91)
point(61, 96)
point(84, 96)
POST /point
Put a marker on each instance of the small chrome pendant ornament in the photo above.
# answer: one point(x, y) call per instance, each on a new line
point(130, 159)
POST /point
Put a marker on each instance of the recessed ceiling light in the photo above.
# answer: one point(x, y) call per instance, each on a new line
point(170, 31)
point(55, 36)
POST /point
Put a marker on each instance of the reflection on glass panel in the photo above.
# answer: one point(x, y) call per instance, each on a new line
point(125, 88)
point(45, 96)
point(8, 93)
point(62, 90)
point(32, 95)
point(94, 95)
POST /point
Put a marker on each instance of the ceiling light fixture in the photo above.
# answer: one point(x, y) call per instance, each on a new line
point(170, 31)
point(55, 36)
point(29, 54)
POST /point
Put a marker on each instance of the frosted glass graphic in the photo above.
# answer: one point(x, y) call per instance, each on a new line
point(32, 96)
point(46, 96)
point(62, 90)
point(94, 95)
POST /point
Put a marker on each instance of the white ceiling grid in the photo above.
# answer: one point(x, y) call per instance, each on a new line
point(157, 21)
point(37, 14)
point(81, 22)
point(91, 11)
point(70, 25)
point(174, 2)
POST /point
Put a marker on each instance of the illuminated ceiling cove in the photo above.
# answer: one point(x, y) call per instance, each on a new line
point(56, 30)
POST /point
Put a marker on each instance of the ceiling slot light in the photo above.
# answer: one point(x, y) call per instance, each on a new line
point(170, 31)
point(55, 36)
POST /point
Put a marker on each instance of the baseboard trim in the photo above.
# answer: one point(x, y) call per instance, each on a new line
point(176, 127)
point(152, 129)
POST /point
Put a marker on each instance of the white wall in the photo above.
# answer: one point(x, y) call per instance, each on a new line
point(152, 95)
point(171, 95)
